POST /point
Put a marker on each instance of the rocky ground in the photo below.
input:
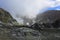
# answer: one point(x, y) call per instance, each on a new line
point(19, 34)
point(27, 34)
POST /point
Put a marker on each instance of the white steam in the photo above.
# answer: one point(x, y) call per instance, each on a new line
point(29, 8)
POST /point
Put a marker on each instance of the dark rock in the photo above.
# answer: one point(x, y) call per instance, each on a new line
point(25, 34)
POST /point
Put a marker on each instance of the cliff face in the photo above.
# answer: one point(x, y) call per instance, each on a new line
point(50, 15)
point(5, 17)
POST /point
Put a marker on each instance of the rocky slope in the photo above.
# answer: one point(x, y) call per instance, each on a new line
point(49, 19)
point(6, 18)
point(48, 16)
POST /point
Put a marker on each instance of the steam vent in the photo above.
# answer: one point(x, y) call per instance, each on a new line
point(47, 22)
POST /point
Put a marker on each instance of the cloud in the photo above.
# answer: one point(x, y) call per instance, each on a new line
point(26, 7)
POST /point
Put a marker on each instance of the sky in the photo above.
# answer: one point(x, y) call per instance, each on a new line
point(29, 8)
